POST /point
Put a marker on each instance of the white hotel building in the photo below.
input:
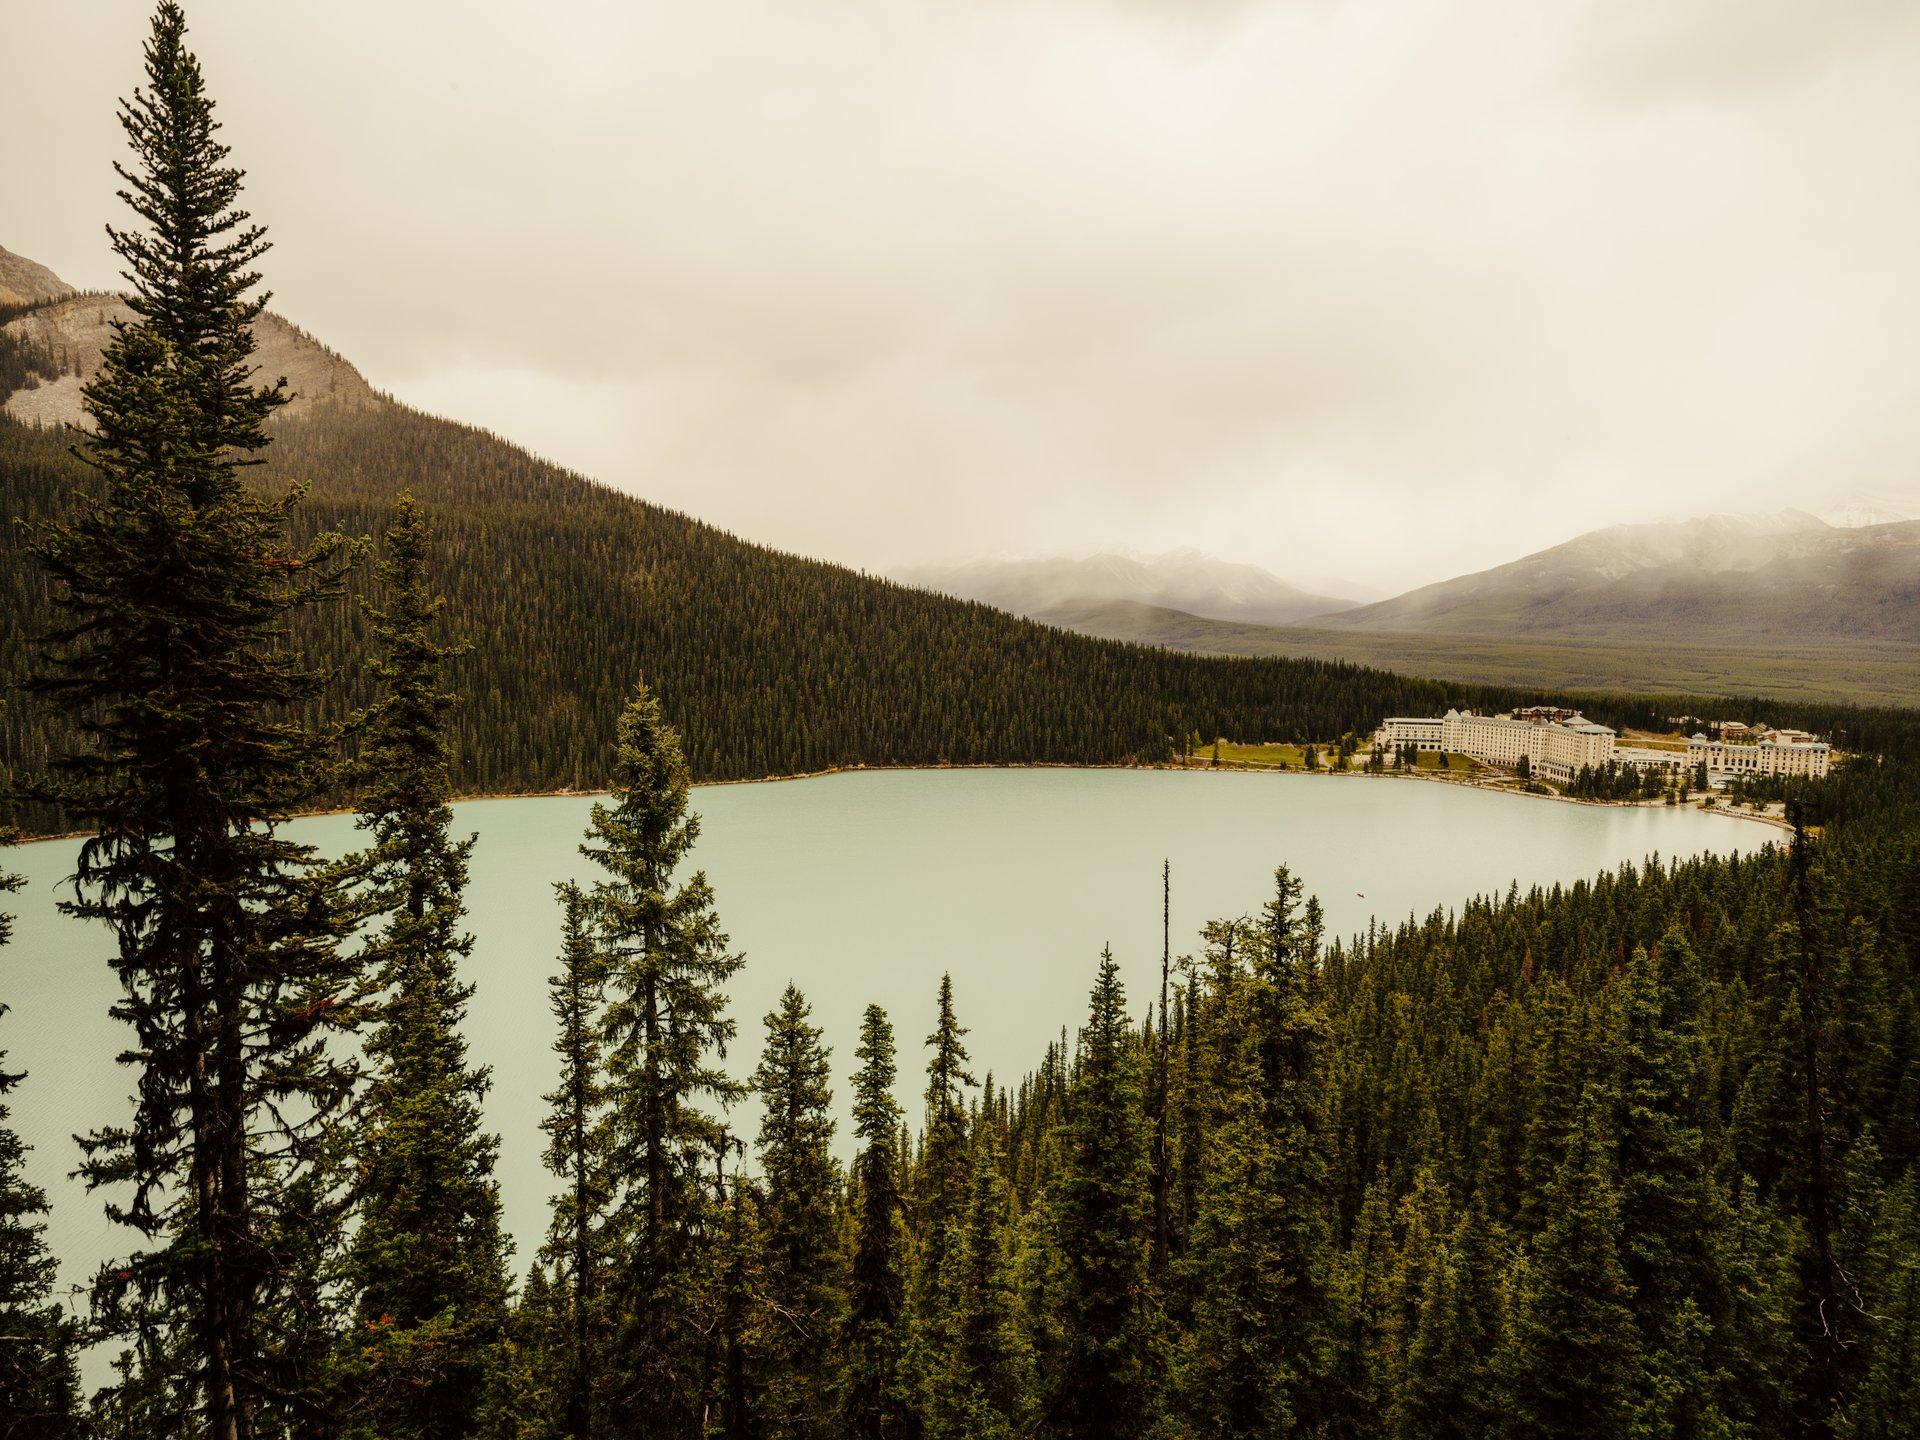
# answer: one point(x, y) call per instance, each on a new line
point(1777, 752)
point(1559, 744)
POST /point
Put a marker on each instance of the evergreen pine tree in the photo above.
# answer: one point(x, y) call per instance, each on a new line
point(877, 1402)
point(175, 586)
point(527, 1387)
point(576, 1154)
point(666, 1031)
point(736, 1383)
point(1233, 1368)
point(1560, 1058)
point(1360, 1295)
point(1102, 1229)
point(979, 1389)
point(799, 1221)
point(427, 1263)
point(1258, 1347)
point(945, 1160)
point(39, 1385)
point(312, 1312)
point(1890, 1386)
point(1443, 1321)
point(1161, 1156)
point(1671, 1210)
point(1793, 1122)
point(1188, 1103)
point(940, 1191)
point(1570, 1356)
point(1750, 1354)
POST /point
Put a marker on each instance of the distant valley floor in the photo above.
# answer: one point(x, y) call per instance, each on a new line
point(1863, 672)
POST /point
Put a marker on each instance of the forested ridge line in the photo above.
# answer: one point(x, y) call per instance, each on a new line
point(769, 663)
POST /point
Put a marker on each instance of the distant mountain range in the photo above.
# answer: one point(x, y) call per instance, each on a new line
point(1728, 580)
point(1785, 605)
point(1731, 579)
point(1183, 580)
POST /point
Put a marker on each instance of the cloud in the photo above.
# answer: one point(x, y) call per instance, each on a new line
point(1646, 48)
point(1375, 286)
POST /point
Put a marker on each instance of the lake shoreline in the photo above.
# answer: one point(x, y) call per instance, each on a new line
point(1466, 782)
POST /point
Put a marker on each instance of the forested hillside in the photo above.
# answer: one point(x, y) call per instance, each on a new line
point(771, 664)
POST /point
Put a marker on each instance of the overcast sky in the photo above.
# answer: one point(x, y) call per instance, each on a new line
point(1384, 289)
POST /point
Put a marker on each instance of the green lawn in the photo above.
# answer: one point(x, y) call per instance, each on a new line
point(1234, 753)
point(1294, 757)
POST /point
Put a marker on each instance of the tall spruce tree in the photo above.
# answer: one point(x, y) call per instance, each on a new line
point(1672, 1212)
point(427, 1264)
point(175, 586)
point(945, 1160)
point(39, 1385)
point(1805, 984)
point(734, 1382)
point(940, 1191)
point(1162, 1157)
point(800, 1298)
point(1256, 1352)
point(1890, 1385)
point(1102, 1228)
point(877, 1405)
point(1569, 1362)
point(526, 1397)
point(1233, 1369)
point(666, 1031)
point(979, 1388)
point(576, 1154)
point(1360, 1294)
point(1443, 1321)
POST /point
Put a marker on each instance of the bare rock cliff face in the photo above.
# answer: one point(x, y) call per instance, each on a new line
point(75, 331)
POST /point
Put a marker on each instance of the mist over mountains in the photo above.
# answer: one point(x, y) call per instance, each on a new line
point(1184, 580)
point(1715, 578)
point(1871, 507)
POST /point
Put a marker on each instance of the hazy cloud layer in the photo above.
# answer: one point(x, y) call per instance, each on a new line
point(1374, 287)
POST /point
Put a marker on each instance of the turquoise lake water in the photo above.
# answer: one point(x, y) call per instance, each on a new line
point(865, 887)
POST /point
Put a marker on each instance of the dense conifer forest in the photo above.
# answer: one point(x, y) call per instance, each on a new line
point(1636, 1157)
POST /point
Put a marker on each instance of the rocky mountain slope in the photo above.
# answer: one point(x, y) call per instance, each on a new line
point(26, 282)
point(1184, 580)
point(65, 332)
